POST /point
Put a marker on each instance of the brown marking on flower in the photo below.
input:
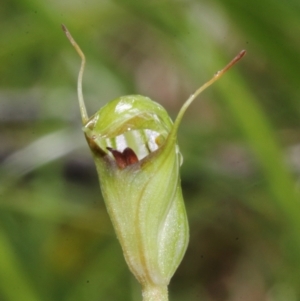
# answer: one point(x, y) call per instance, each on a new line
point(125, 158)
point(119, 157)
point(130, 156)
point(98, 151)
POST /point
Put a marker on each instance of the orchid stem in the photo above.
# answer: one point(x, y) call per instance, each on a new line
point(155, 293)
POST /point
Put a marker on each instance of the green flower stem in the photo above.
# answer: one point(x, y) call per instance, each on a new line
point(155, 293)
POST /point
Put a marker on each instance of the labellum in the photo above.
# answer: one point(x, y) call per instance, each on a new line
point(134, 145)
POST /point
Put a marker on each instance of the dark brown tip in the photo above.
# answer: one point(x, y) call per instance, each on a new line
point(235, 60)
point(240, 55)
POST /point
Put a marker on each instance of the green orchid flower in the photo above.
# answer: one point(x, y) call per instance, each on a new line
point(134, 145)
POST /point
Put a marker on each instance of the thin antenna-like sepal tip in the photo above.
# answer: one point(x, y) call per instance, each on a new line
point(66, 31)
point(82, 107)
point(216, 76)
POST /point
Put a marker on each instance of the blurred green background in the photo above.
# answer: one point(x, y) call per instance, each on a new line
point(240, 141)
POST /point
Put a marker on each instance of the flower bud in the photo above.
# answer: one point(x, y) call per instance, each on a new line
point(134, 144)
point(138, 170)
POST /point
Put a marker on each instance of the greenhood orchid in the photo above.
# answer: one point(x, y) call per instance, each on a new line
point(134, 145)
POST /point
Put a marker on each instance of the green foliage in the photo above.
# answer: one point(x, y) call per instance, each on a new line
point(240, 143)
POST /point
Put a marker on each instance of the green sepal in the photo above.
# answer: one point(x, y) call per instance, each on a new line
point(144, 200)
